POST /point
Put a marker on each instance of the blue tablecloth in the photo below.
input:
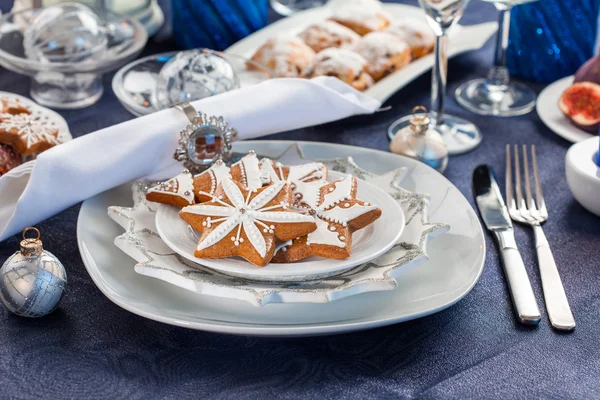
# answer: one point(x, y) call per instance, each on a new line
point(91, 348)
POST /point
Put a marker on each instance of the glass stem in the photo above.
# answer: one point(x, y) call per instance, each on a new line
point(499, 74)
point(439, 78)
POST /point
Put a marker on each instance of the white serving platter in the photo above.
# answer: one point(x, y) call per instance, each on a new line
point(461, 39)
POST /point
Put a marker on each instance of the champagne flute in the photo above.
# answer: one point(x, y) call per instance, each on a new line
point(459, 134)
point(496, 94)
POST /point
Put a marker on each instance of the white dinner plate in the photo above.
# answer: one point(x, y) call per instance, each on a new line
point(550, 114)
point(367, 244)
point(455, 263)
point(461, 40)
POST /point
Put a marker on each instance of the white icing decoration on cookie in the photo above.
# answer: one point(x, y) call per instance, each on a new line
point(297, 175)
point(345, 215)
point(343, 190)
point(322, 235)
point(282, 246)
point(249, 167)
point(251, 215)
point(266, 165)
point(305, 172)
point(180, 186)
point(220, 170)
point(308, 192)
point(296, 172)
point(217, 172)
point(33, 130)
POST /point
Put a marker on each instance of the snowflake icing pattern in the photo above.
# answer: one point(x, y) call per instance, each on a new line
point(30, 129)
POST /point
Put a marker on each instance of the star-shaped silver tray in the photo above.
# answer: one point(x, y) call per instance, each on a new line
point(155, 259)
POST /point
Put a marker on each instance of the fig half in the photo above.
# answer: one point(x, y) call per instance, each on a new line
point(581, 104)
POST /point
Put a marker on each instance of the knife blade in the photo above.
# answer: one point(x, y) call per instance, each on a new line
point(489, 199)
point(495, 216)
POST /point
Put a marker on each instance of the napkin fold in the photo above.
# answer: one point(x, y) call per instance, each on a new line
point(143, 147)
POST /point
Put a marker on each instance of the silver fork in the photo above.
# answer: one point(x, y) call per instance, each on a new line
point(534, 213)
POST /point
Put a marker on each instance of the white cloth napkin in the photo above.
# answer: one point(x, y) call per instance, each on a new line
point(143, 147)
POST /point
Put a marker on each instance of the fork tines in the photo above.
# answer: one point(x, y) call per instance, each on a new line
point(527, 206)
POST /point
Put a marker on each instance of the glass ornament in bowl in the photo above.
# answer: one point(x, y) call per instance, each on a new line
point(66, 32)
point(66, 48)
point(136, 84)
point(193, 75)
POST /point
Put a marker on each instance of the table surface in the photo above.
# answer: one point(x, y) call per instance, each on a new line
point(92, 348)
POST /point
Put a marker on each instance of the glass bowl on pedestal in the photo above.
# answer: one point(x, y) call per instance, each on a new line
point(146, 12)
point(60, 79)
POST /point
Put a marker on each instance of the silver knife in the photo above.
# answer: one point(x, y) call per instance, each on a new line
point(495, 216)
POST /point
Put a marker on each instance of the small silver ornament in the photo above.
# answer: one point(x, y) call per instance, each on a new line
point(33, 280)
point(421, 141)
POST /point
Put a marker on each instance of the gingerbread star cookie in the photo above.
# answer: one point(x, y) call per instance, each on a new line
point(184, 190)
point(26, 133)
point(336, 212)
point(245, 222)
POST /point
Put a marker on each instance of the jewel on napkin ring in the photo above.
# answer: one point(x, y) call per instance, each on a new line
point(204, 140)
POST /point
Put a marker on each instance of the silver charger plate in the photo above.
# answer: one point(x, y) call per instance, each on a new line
point(454, 266)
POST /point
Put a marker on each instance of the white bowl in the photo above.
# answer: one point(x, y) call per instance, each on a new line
point(583, 175)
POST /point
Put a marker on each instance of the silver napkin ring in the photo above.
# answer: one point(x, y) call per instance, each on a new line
point(204, 140)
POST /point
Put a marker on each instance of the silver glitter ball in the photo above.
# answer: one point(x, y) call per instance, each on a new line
point(421, 141)
point(193, 75)
point(32, 281)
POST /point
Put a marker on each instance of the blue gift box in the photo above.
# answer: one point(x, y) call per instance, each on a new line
point(551, 39)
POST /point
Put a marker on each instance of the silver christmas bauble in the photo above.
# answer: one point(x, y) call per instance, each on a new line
point(33, 280)
point(193, 75)
point(421, 141)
